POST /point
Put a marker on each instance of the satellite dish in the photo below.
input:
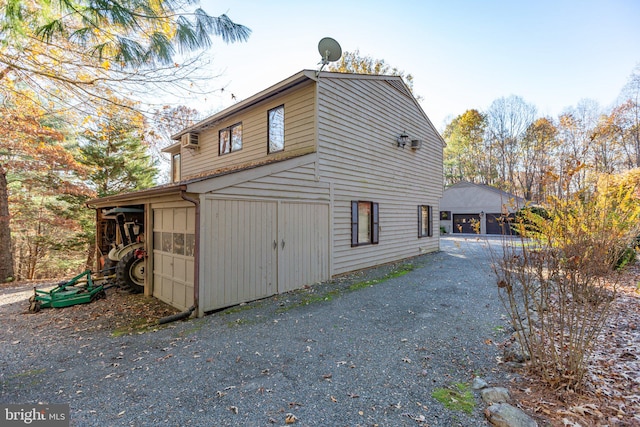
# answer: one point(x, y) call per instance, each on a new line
point(330, 51)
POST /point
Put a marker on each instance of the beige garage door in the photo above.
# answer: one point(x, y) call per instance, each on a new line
point(240, 252)
point(173, 255)
point(304, 245)
point(253, 249)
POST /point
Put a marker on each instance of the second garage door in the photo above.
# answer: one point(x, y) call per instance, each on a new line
point(500, 224)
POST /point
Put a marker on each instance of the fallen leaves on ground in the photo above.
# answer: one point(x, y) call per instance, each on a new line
point(120, 312)
point(611, 395)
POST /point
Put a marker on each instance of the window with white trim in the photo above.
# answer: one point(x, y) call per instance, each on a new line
point(276, 129)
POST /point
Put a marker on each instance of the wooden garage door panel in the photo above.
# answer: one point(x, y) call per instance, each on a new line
point(239, 254)
point(166, 264)
point(304, 245)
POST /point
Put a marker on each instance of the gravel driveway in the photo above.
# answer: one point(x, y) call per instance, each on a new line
point(329, 355)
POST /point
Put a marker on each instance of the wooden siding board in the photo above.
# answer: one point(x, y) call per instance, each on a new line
point(238, 264)
point(299, 133)
point(358, 123)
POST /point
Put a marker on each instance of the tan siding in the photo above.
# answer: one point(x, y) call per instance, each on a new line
point(298, 184)
point(299, 110)
point(239, 259)
point(241, 224)
point(359, 121)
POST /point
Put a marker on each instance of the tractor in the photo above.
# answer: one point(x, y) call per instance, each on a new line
point(121, 238)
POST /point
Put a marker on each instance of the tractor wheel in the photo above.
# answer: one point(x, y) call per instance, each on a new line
point(109, 267)
point(130, 273)
point(34, 306)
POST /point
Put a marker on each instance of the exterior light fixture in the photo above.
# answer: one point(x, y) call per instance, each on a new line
point(403, 139)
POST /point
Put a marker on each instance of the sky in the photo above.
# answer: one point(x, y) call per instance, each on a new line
point(462, 54)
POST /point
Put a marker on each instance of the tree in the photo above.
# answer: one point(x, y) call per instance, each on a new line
point(625, 120)
point(465, 157)
point(115, 153)
point(576, 133)
point(33, 162)
point(68, 51)
point(610, 153)
point(167, 121)
point(353, 62)
point(507, 122)
point(539, 140)
point(73, 48)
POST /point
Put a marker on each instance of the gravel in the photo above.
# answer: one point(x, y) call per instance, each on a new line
point(356, 351)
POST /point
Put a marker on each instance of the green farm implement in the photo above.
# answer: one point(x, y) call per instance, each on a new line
point(81, 289)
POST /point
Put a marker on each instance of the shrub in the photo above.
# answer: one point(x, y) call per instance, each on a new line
point(559, 281)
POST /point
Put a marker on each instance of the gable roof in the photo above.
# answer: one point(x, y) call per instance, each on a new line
point(465, 197)
point(301, 77)
point(486, 187)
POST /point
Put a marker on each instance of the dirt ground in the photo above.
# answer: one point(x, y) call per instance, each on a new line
point(121, 312)
point(611, 396)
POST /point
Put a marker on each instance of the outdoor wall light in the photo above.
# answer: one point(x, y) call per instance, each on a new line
point(402, 139)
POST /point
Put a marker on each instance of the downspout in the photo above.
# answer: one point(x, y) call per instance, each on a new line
point(196, 254)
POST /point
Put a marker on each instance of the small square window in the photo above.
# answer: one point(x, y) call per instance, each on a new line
point(178, 243)
point(276, 129)
point(190, 244)
point(230, 139)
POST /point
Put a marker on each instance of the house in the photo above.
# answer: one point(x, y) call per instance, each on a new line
point(318, 175)
point(466, 207)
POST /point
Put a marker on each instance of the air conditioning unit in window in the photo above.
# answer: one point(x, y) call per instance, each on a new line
point(416, 144)
point(189, 140)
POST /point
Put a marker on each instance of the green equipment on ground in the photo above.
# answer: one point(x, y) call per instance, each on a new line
point(79, 290)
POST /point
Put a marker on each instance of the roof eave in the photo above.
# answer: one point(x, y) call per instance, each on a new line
point(137, 195)
point(271, 91)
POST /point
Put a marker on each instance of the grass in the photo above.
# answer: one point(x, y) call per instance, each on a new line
point(30, 373)
point(22, 376)
point(497, 330)
point(196, 325)
point(313, 298)
point(238, 309)
point(457, 397)
point(139, 326)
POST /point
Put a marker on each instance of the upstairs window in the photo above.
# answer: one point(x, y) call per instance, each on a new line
point(230, 139)
point(276, 129)
point(424, 221)
point(364, 223)
point(175, 167)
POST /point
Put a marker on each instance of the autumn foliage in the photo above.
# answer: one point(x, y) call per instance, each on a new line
point(559, 280)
